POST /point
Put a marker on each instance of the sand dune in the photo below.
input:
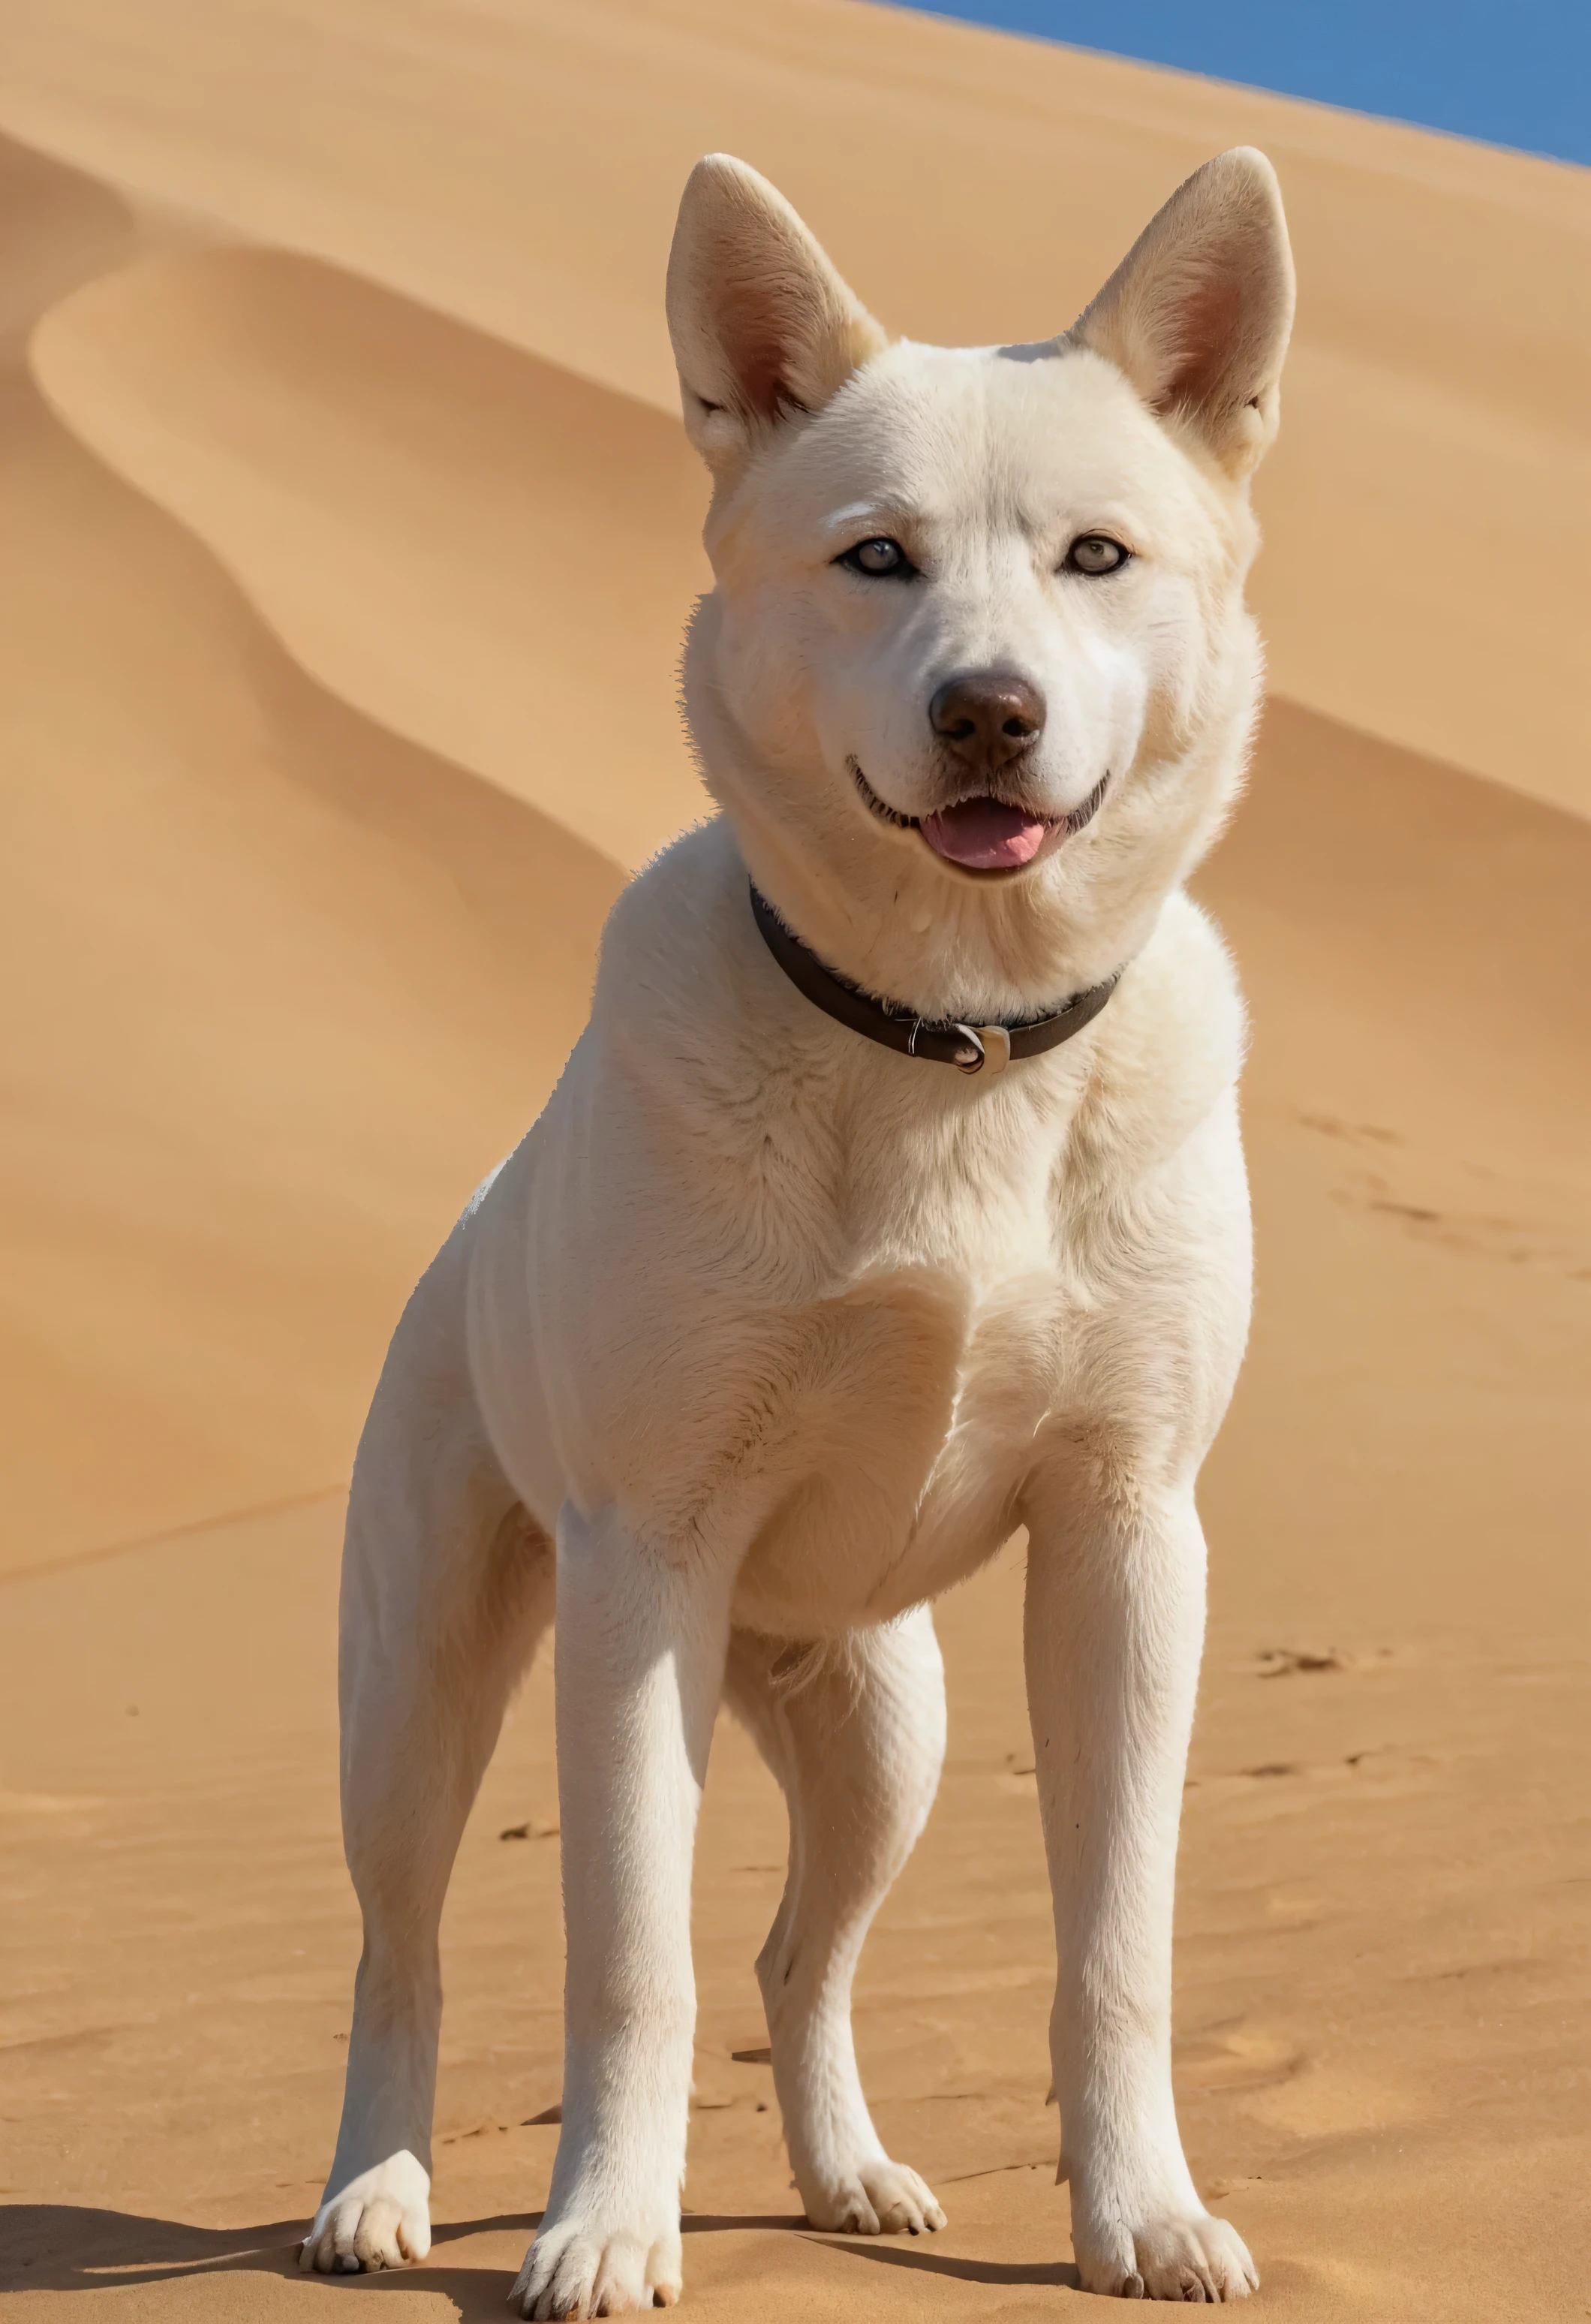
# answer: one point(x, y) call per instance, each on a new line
point(348, 537)
point(271, 973)
point(61, 229)
point(518, 167)
point(373, 474)
point(272, 976)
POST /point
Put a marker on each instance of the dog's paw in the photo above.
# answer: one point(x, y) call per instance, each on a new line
point(1194, 2257)
point(588, 2265)
point(381, 2219)
point(877, 2199)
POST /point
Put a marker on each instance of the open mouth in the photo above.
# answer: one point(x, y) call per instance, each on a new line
point(986, 834)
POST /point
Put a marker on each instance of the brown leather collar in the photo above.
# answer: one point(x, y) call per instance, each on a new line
point(973, 1048)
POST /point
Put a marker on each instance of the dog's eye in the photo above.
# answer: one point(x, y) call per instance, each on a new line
point(1095, 553)
point(880, 559)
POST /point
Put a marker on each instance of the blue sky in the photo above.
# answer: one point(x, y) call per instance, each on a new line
point(1513, 72)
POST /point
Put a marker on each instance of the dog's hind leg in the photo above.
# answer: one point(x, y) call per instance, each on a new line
point(447, 1587)
point(856, 1737)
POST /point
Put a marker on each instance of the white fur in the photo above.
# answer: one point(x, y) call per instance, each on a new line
point(766, 1335)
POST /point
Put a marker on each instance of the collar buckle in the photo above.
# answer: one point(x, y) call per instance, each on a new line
point(990, 1047)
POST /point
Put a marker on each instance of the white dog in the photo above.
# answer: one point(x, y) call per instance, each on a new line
point(892, 1199)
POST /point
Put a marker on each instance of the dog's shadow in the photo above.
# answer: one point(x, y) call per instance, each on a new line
point(70, 2247)
point(1056, 2274)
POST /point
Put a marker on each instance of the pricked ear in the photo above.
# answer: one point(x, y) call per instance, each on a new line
point(762, 323)
point(1199, 312)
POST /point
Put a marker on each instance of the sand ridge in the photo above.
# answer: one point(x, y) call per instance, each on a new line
point(341, 481)
point(306, 426)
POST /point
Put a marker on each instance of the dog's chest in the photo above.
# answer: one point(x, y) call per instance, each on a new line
point(926, 1380)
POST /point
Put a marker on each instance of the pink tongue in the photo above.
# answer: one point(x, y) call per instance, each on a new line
point(984, 834)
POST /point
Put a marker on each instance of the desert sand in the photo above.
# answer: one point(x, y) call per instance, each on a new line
point(347, 536)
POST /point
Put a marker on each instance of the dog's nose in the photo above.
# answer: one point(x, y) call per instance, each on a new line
point(987, 717)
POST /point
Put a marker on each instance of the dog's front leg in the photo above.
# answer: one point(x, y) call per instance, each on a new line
point(638, 1672)
point(1114, 1629)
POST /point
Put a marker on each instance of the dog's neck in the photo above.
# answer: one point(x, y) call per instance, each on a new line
point(890, 920)
point(973, 1048)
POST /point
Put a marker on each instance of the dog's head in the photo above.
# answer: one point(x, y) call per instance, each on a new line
point(976, 680)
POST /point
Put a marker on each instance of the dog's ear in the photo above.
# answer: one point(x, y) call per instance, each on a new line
point(1199, 312)
point(762, 326)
